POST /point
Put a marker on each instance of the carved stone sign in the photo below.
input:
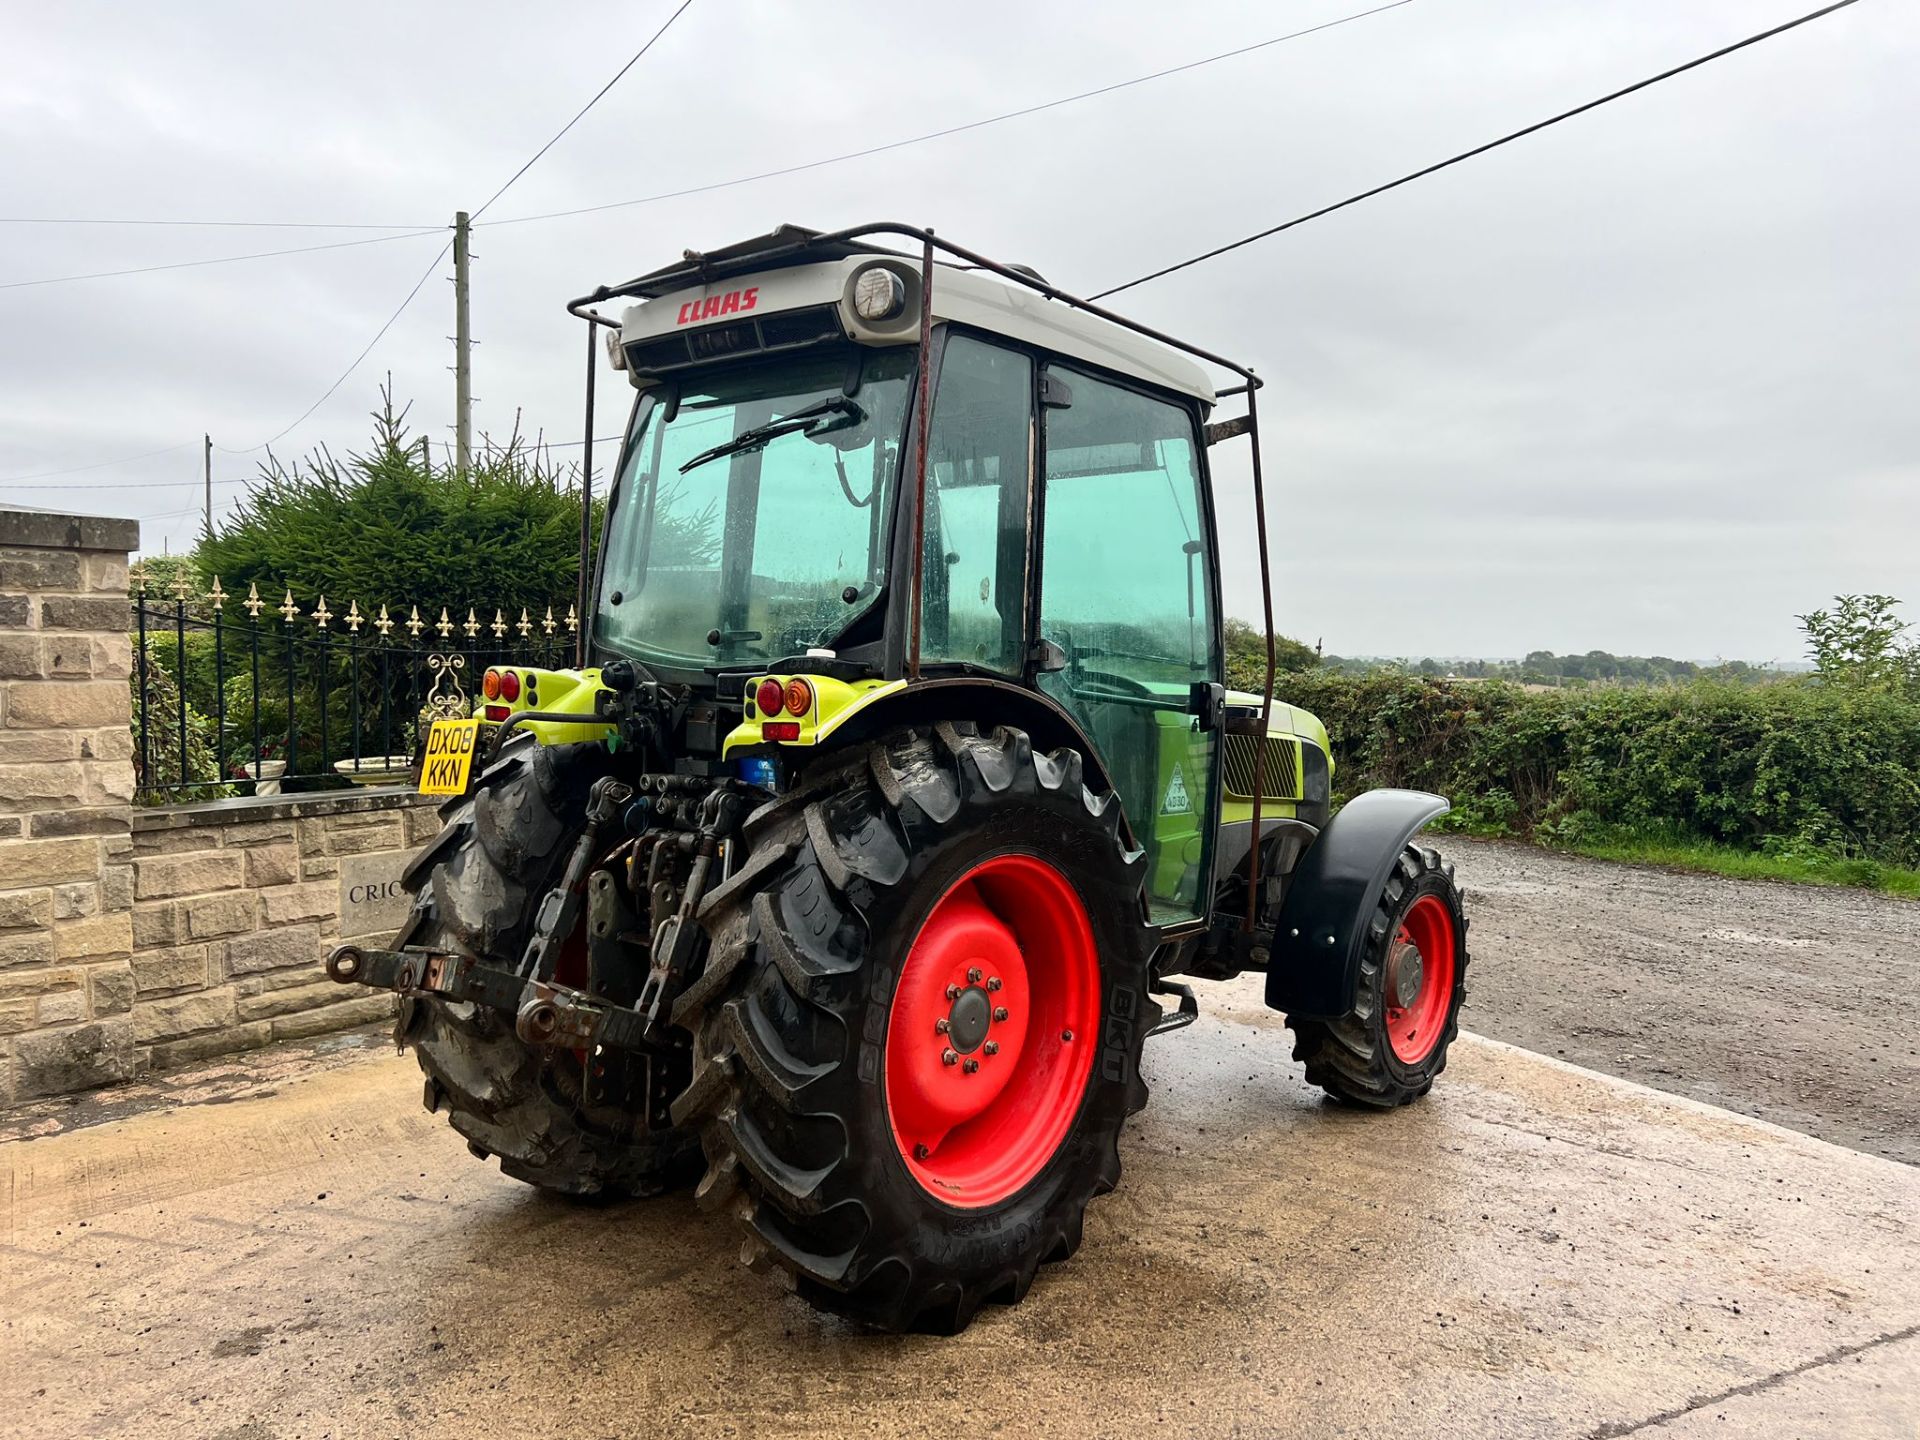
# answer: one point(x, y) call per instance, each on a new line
point(371, 900)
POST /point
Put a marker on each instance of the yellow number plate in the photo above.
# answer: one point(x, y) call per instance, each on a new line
point(450, 747)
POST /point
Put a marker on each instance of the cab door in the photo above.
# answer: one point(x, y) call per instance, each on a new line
point(1127, 594)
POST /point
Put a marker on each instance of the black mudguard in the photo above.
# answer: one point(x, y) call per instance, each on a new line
point(1314, 966)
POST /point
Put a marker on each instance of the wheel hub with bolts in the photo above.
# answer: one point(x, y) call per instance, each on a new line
point(1405, 974)
point(970, 1019)
point(981, 1079)
point(1420, 980)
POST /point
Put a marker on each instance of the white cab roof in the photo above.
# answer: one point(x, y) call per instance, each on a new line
point(961, 296)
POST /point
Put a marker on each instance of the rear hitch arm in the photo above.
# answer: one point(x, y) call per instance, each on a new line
point(560, 912)
point(543, 1013)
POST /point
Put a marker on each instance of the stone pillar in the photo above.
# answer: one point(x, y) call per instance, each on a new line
point(66, 791)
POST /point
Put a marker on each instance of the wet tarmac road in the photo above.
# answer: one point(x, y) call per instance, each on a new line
point(1535, 1251)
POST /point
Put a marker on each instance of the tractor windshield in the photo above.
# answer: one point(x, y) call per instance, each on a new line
point(751, 519)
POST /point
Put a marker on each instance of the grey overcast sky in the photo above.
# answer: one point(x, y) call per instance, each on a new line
point(1646, 382)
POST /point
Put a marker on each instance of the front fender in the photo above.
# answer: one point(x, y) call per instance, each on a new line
point(1313, 969)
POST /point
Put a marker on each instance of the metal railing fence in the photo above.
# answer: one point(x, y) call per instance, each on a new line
point(228, 700)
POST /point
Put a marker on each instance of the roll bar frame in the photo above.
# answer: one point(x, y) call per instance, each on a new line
point(698, 268)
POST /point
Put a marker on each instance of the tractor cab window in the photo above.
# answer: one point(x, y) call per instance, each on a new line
point(974, 568)
point(1126, 556)
point(750, 521)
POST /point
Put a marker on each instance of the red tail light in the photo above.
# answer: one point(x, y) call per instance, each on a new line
point(490, 685)
point(768, 697)
point(509, 687)
point(799, 697)
point(496, 712)
point(780, 730)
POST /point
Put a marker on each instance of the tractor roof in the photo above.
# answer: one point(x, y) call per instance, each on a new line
point(962, 294)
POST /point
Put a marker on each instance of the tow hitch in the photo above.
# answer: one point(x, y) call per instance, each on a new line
point(543, 1013)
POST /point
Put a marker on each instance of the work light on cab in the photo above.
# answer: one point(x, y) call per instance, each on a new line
point(878, 294)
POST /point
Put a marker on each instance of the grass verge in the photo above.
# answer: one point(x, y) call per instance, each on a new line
point(1681, 853)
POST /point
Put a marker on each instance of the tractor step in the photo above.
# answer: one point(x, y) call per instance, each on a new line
point(1179, 1019)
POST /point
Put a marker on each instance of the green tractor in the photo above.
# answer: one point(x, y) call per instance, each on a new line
point(897, 782)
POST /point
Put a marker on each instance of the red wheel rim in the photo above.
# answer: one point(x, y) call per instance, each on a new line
point(991, 1037)
point(1419, 987)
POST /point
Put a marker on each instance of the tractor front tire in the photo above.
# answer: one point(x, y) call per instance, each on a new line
point(1413, 980)
point(918, 1030)
point(476, 889)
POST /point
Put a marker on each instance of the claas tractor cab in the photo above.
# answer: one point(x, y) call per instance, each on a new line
point(896, 786)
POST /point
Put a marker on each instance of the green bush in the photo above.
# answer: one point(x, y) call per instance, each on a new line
point(1791, 768)
point(379, 527)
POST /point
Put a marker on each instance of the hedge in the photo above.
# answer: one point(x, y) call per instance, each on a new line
point(1789, 767)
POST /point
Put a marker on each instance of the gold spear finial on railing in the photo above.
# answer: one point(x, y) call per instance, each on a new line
point(354, 618)
point(548, 624)
point(289, 611)
point(253, 604)
point(524, 625)
point(573, 620)
point(321, 614)
point(472, 625)
point(499, 626)
point(443, 624)
point(383, 624)
point(414, 623)
point(182, 590)
point(216, 596)
point(138, 576)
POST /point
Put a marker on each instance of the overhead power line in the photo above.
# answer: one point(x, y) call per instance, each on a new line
point(96, 465)
point(399, 310)
point(598, 96)
point(196, 483)
point(301, 250)
point(366, 350)
point(675, 194)
point(217, 260)
point(951, 129)
point(1724, 51)
point(207, 224)
point(23, 480)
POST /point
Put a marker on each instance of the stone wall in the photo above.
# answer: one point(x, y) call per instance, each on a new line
point(66, 787)
point(139, 938)
point(236, 902)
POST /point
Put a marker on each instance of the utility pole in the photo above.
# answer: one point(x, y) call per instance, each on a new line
point(462, 350)
point(208, 454)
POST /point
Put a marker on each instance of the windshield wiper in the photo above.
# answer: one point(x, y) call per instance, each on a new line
point(802, 419)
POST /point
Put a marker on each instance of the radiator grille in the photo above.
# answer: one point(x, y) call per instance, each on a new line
point(1280, 777)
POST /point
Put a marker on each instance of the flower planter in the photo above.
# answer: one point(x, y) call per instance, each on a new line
point(268, 780)
point(376, 769)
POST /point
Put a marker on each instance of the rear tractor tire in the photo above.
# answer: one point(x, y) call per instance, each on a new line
point(476, 889)
point(1413, 980)
point(918, 1031)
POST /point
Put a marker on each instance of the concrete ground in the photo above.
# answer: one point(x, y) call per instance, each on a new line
point(1535, 1251)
